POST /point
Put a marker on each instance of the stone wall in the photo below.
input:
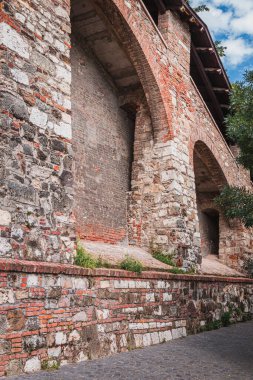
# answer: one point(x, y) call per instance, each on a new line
point(56, 314)
point(36, 193)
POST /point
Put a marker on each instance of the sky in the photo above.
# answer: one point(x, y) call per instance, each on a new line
point(231, 21)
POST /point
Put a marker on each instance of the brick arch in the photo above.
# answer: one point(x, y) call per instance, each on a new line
point(204, 153)
point(211, 138)
point(148, 60)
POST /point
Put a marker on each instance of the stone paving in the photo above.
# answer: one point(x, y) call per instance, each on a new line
point(216, 355)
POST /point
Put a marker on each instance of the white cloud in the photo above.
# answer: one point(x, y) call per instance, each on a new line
point(237, 50)
point(217, 20)
point(232, 22)
point(236, 18)
point(239, 6)
point(243, 25)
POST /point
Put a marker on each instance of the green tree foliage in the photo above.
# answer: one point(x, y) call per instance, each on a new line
point(200, 8)
point(236, 203)
point(240, 120)
point(221, 50)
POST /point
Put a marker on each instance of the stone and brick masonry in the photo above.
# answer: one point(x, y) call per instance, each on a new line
point(109, 140)
point(128, 174)
point(55, 314)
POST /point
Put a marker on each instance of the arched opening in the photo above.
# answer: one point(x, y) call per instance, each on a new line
point(103, 124)
point(209, 180)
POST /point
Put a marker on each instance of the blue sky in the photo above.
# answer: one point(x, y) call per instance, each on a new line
point(231, 21)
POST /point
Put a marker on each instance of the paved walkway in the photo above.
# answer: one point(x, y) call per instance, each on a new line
point(216, 355)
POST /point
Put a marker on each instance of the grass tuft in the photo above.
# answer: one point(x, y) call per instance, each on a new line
point(177, 271)
point(131, 265)
point(85, 260)
point(166, 259)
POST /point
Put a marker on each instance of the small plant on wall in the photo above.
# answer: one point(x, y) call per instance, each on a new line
point(131, 265)
point(85, 260)
point(164, 258)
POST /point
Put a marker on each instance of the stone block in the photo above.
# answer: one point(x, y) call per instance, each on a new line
point(138, 340)
point(34, 342)
point(16, 319)
point(13, 104)
point(80, 317)
point(20, 76)
point(10, 38)
point(42, 62)
point(5, 218)
point(74, 336)
point(63, 130)
point(54, 352)
point(5, 346)
point(32, 280)
point(150, 297)
point(60, 338)
point(5, 247)
point(167, 297)
point(32, 365)
point(63, 74)
point(38, 118)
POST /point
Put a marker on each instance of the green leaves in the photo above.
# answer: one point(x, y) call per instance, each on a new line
point(200, 8)
point(240, 120)
point(221, 50)
point(236, 203)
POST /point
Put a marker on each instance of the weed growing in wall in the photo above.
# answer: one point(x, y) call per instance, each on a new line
point(131, 264)
point(85, 260)
point(164, 258)
point(225, 319)
point(47, 365)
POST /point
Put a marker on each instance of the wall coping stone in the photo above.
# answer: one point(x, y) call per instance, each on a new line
point(13, 265)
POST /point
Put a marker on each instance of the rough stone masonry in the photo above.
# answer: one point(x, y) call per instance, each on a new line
point(109, 132)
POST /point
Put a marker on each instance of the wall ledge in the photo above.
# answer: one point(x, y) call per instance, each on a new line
point(13, 265)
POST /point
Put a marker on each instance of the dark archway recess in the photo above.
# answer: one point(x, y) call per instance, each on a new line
point(103, 77)
point(209, 230)
point(209, 180)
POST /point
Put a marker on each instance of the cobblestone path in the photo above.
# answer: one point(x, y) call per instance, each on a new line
point(216, 355)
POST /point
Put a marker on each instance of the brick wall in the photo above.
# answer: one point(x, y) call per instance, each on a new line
point(103, 137)
point(56, 314)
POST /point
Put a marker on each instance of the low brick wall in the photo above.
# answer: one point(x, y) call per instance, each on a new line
point(52, 314)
